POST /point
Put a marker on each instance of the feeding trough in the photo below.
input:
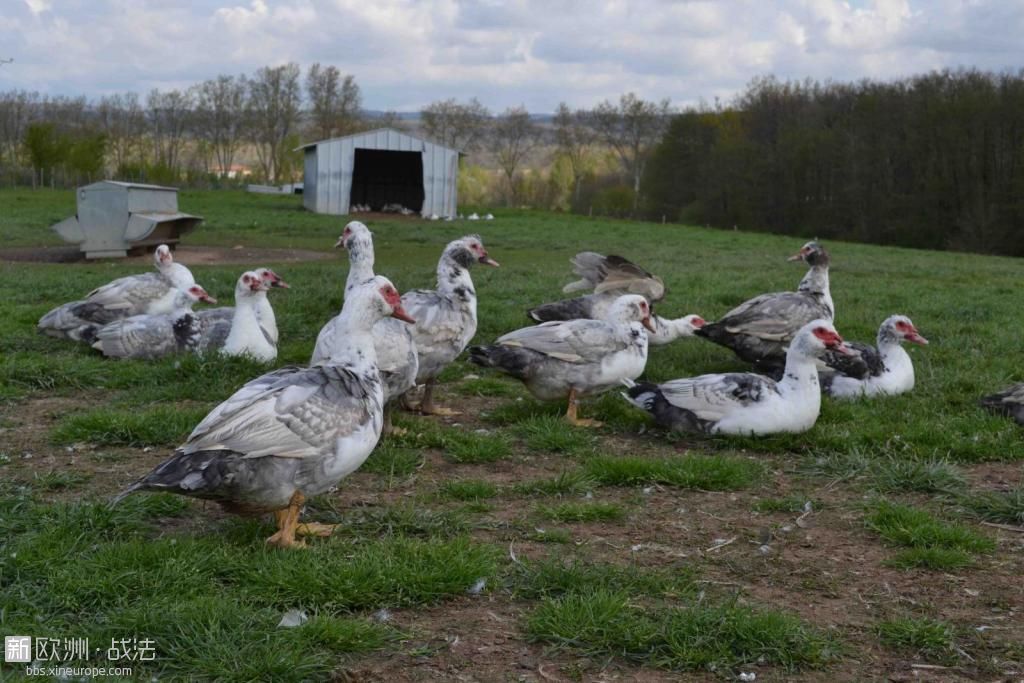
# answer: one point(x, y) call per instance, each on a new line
point(114, 217)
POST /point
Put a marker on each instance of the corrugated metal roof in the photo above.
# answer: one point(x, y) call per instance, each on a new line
point(375, 131)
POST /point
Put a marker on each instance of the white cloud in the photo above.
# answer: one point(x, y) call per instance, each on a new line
point(406, 53)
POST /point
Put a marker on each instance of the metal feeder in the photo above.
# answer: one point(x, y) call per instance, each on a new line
point(115, 217)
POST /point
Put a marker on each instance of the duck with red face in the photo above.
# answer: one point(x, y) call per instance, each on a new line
point(445, 317)
point(746, 403)
point(884, 369)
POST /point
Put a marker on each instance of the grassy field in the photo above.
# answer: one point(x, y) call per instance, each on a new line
point(504, 544)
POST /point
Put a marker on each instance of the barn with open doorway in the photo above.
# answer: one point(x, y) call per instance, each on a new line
point(378, 168)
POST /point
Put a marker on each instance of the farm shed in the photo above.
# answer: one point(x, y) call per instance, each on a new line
point(380, 167)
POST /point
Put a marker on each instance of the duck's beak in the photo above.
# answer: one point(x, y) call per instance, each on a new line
point(399, 312)
point(340, 244)
point(646, 322)
point(842, 348)
point(208, 299)
point(915, 337)
point(488, 261)
point(280, 283)
point(798, 256)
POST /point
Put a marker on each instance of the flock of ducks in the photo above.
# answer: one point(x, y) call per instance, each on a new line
point(296, 431)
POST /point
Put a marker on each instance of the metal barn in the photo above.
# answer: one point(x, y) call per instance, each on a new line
point(380, 167)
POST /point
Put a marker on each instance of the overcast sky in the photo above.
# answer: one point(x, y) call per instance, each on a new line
point(407, 53)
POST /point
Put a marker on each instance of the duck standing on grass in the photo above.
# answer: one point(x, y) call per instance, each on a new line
point(396, 350)
point(445, 317)
point(574, 358)
point(291, 433)
point(871, 370)
point(745, 403)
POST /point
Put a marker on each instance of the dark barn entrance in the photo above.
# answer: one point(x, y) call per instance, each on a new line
point(385, 177)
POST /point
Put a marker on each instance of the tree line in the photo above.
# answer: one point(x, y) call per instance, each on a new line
point(179, 134)
point(933, 161)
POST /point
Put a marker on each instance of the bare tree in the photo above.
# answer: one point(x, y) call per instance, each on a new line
point(16, 108)
point(169, 115)
point(221, 117)
point(275, 99)
point(122, 121)
point(459, 126)
point(632, 129)
point(335, 101)
point(574, 138)
point(513, 136)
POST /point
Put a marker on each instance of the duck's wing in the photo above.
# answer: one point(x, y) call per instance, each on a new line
point(439, 321)
point(293, 412)
point(622, 275)
point(712, 397)
point(132, 293)
point(573, 341)
point(142, 336)
point(866, 363)
point(774, 317)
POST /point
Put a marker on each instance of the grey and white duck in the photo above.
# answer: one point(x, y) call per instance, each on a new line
point(146, 293)
point(392, 339)
point(760, 329)
point(1009, 402)
point(292, 433)
point(566, 360)
point(746, 403)
point(872, 370)
point(446, 317)
point(155, 336)
point(610, 277)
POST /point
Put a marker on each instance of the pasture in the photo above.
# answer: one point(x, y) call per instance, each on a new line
point(504, 544)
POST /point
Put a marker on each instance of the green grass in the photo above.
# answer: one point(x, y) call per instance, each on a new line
point(607, 623)
point(467, 490)
point(712, 473)
point(931, 542)
point(157, 426)
point(1005, 507)
point(168, 568)
point(926, 638)
point(565, 483)
point(555, 435)
point(791, 503)
point(582, 512)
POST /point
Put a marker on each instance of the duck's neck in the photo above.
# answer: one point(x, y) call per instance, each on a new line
point(453, 280)
point(800, 377)
point(351, 341)
point(360, 267)
point(815, 283)
point(266, 317)
point(666, 330)
point(245, 325)
point(892, 352)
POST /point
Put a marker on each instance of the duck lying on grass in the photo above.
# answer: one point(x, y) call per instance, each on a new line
point(742, 402)
point(291, 433)
point(873, 370)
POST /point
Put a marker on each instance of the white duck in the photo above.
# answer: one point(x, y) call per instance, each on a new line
point(445, 317)
point(223, 316)
point(292, 433)
point(247, 337)
point(155, 336)
point(885, 369)
point(758, 330)
point(392, 339)
point(569, 359)
point(745, 403)
point(147, 293)
point(610, 277)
